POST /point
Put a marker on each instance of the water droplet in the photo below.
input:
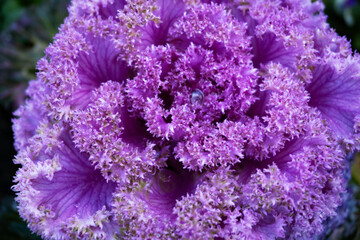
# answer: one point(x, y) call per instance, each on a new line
point(197, 97)
point(334, 46)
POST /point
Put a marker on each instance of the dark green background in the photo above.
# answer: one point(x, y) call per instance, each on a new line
point(27, 27)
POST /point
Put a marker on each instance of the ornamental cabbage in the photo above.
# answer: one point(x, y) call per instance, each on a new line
point(188, 119)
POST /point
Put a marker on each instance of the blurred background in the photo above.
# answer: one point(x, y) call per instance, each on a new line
point(26, 29)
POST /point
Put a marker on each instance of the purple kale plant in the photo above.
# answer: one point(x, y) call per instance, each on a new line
point(188, 119)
